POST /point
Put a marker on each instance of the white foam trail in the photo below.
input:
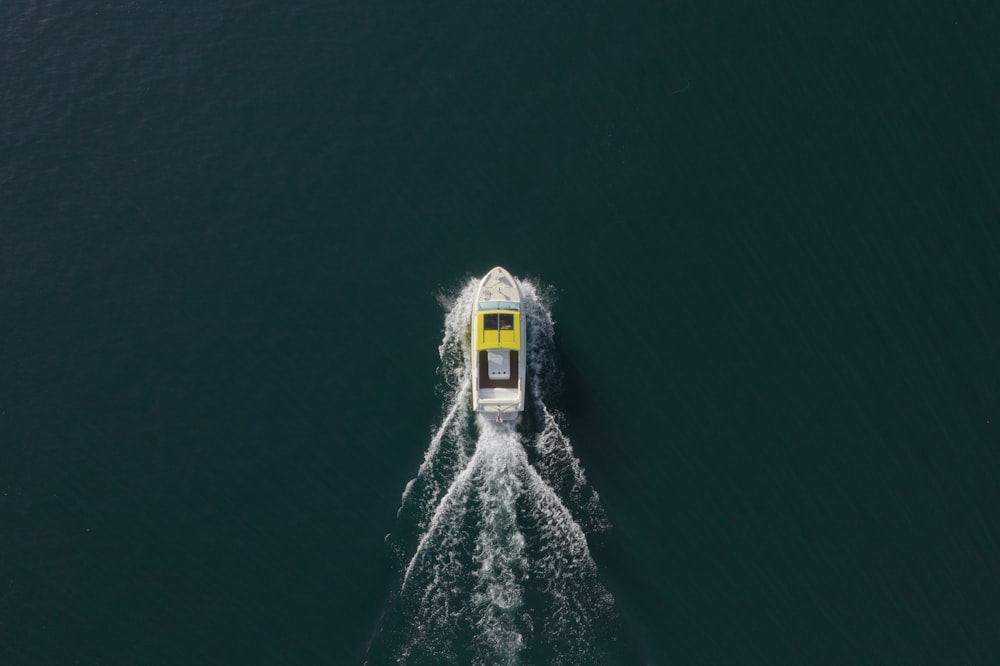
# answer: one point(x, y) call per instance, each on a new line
point(447, 427)
point(499, 549)
point(501, 566)
point(448, 451)
point(577, 602)
point(554, 456)
point(558, 465)
point(456, 495)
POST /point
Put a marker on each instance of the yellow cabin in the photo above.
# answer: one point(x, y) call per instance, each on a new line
point(498, 329)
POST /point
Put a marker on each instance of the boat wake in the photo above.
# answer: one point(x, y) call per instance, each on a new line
point(492, 535)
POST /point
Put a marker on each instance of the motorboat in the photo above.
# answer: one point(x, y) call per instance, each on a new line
point(498, 347)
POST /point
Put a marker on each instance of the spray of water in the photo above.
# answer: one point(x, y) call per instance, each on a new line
point(492, 544)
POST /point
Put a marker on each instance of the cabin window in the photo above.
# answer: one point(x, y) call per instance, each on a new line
point(496, 321)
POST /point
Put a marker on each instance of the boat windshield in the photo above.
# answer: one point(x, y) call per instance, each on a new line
point(498, 321)
point(498, 305)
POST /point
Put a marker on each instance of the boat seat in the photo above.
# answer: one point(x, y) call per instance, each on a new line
point(498, 368)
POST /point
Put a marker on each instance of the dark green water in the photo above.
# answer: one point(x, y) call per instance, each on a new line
point(773, 232)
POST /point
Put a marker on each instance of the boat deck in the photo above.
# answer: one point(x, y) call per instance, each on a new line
point(487, 382)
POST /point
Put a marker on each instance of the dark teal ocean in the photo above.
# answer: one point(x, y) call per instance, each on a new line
point(769, 236)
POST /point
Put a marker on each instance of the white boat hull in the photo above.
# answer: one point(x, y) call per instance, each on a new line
point(499, 347)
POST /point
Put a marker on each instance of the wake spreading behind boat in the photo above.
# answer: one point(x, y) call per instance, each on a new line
point(498, 347)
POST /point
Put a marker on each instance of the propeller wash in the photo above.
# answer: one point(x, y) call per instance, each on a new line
point(491, 542)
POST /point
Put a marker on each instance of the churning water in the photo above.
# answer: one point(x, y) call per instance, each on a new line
point(491, 542)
